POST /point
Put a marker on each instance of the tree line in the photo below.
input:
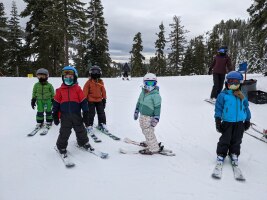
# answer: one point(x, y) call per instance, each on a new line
point(60, 32)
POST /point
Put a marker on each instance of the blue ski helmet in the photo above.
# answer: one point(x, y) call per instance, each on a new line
point(234, 75)
point(70, 68)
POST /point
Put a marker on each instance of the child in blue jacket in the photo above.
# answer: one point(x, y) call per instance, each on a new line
point(232, 117)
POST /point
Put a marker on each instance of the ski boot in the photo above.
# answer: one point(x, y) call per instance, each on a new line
point(234, 159)
point(62, 151)
point(220, 160)
point(87, 146)
point(103, 127)
point(39, 125)
point(89, 129)
point(145, 152)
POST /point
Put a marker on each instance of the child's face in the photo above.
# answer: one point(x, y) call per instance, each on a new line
point(69, 76)
point(41, 76)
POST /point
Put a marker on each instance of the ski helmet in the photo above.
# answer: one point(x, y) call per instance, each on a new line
point(42, 71)
point(150, 81)
point(95, 72)
point(234, 75)
point(69, 70)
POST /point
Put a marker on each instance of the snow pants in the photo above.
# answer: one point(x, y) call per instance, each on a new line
point(44, 106)
point(148, 131)
point(99, 108)
point(231, 138)
point(218, 81)
point(69, 121)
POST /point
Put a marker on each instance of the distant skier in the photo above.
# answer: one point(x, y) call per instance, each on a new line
point(69, 101)
point(95, 92)
point(149, 105)
point(220, 66)
point(232, 117)
point(43, 94)
point(126, 70)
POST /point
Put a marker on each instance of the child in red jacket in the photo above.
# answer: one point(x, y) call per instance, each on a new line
point(69, 101)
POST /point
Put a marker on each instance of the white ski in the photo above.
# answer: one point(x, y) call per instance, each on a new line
point(163, 152)
point(238, 173)
point(217, 172)
point(65, 158)
point(94, 151)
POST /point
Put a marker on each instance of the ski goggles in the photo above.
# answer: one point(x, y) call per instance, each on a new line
point(67, 72)
point(233, 81)
point(150, 83)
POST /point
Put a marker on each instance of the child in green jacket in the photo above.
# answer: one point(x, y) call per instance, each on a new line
point(149, 104)
point(43, 94)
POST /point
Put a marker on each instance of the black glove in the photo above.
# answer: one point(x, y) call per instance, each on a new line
point(104, 101)
point(86, 118)
point(33, 103)
point(52, 101)
point(210, 71)
point(246, 125)
point(56, 119)
point(218, 123)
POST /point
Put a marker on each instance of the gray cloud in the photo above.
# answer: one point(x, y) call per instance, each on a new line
point(126, 17)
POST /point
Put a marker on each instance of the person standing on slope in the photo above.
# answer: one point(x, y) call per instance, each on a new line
point(220, 66)
point(42, 95)
point(232, 117)
point(149, 106)
point(95, 93)
point(69, 101)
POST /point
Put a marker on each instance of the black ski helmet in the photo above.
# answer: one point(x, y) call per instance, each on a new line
point(95, 72)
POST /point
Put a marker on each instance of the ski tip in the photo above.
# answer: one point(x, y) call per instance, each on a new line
point(216, 177)
point(70, 165)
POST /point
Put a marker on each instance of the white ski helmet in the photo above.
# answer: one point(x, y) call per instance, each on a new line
point(150, 81)
point(150, 77)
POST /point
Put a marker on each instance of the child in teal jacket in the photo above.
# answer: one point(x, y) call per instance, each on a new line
point(43, 94)
point(149, 105)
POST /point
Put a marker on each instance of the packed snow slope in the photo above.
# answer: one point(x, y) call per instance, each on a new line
point(30, 169)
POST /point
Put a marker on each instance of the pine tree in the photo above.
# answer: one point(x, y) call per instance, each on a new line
point(178, 41)
point(3, 39)
point(97, 45)
point(15, 59)
point(199, 56)
point(188, 62)
point(258, 13)
point(137, 58)
point(159, 62)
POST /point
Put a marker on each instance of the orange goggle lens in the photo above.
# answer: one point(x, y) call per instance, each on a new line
point(67, 72)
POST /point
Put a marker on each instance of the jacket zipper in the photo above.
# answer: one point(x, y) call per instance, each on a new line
point(69, 98)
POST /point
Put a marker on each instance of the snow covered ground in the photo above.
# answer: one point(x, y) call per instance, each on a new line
point(30, 169)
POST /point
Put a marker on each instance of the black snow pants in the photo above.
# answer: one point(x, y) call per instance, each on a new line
point(69, 121)
point(231, 138)
point(99, 108)
point(218, 81)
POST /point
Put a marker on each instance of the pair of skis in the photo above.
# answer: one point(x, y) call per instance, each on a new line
point(165, 152)
point(217, 172)
point(69, 163)
point(97, 140)
point(44, 130)
point(261, 133)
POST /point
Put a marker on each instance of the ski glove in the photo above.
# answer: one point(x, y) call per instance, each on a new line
point(246, 125)
point(86, 118)
point(33, 103)
point(218, 124)
point(154, 121)
point(104, 101)
point(56, 119)
point(136, 113)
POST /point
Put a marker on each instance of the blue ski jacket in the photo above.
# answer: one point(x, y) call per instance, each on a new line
point(230, 108)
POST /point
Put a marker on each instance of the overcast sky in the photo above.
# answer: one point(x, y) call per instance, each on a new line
point(125, 18)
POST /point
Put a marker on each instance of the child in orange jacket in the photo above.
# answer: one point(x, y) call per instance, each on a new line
point(95, 92)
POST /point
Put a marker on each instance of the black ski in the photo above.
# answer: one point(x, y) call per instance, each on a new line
point(94, 137)
point(210, 101)
point(114, 137)
point(34, 131)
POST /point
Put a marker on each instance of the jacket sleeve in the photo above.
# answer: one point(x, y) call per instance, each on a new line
point(103, 91)
point(229, 64)
point(157, 105)
point(213, 63)
point(138, 102)
point(219, 106)
point(52, 91)
point(57, 101)
point(34, 91)
point(86, 89)
point(83, 100)
point(246, 104)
